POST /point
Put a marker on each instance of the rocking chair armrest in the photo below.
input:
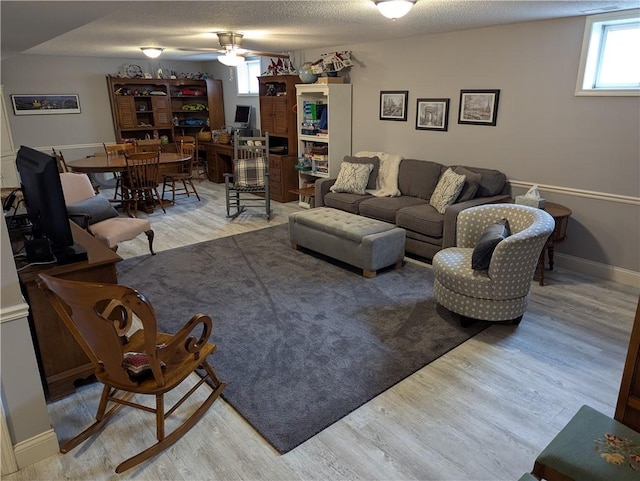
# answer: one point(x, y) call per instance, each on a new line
point(183, 340)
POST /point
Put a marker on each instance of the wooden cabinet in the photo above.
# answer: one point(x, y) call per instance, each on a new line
point(324, 129)
point(61, 360)
point(149, 107)
point(278, 118)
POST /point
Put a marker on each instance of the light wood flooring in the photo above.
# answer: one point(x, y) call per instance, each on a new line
point(483, 411)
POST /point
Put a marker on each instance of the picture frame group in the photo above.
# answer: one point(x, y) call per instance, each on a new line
point(477, 107)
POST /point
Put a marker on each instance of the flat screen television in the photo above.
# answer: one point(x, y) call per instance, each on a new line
point(46, 209)
point(243, 115)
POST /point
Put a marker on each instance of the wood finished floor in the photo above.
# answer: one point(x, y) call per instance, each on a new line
point(483, 411)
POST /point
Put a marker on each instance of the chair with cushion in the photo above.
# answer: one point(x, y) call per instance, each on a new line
point(488, 274)
point(172, 181)
point(250, 176)
point(116, 328)
point(142, 178)
point(95, 213)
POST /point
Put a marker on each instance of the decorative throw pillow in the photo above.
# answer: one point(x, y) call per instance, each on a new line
point(137, 363)
point(471, 183)
point(375, 161)
point(250, 172)
point(352, 178)
point(447, 190)
point(98, 207)
point(491, 237)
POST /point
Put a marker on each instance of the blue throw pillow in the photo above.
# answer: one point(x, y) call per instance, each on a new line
point(491, 237)
point(98, 207)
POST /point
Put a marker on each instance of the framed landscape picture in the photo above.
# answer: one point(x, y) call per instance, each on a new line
point(393, 104)
point(45, 104)
point(478, 107)
point(432, 114)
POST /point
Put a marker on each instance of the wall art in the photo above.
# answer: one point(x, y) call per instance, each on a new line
point(393, 104)
point(45, 104)
point(478, 107)
point(432, 114)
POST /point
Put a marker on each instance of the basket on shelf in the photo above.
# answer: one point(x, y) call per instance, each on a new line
point(224, 138)
point(204, 135)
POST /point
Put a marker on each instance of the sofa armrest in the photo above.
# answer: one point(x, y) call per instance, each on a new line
point(322, 188)
point(451, 216)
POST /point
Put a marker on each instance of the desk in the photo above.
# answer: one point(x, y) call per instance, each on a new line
point(561, 215)
point(60, 358)
point(219, 159)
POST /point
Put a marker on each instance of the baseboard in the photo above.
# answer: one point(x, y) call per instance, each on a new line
point(36, 448)
point(596, 269)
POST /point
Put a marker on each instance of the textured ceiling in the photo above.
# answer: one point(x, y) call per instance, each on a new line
point(119, 29)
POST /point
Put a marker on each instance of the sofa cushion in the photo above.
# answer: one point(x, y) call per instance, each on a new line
point(373, 176)
point(352, 178)
point(385, 208)
point(97, 207)
point(447, 191)
point(491, 181)
point(418, 178)
point(345, 202)
point(471, 183)
point(421, 218)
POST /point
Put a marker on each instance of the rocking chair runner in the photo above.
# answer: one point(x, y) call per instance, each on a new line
point(104, 320)
point(250, 176)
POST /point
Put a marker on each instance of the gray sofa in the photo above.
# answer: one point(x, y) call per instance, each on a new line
point(427, 231)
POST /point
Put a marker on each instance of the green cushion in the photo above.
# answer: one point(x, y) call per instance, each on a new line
point(594, 447)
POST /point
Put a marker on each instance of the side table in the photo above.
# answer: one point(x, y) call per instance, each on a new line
point(561, 215)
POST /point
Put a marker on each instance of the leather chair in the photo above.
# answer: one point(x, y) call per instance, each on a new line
point(500, 292)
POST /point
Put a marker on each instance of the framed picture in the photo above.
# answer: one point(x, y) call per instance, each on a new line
point(45, 104)
point(393, 104)
point(478, 107)
point(432, 114)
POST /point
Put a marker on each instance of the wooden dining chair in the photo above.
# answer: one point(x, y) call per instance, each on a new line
point(115, 150)
point(181, 182)
point(116, 328)
point(142, 178)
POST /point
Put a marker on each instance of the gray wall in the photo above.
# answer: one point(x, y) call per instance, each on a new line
point(585, 151)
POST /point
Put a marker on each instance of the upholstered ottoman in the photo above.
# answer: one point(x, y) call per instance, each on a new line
point(359, 241)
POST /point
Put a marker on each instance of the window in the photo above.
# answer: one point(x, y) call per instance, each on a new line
point(247, 77)
point(610, 51)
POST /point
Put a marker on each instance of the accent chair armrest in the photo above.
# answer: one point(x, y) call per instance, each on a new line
point(451, 216)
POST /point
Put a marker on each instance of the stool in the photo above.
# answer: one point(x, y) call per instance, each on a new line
point(359, 241)
point(591, 447)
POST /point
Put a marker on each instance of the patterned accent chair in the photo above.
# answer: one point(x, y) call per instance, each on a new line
point(499, 293)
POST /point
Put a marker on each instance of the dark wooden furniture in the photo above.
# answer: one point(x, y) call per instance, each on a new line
point(219, 159)
point(61, 360)
point(142, 107)
point(141, 180)
point(628, 407)
point(561, 215)
point(173, 181)
point(169, 162)
point(103, 320)
point(278, 118)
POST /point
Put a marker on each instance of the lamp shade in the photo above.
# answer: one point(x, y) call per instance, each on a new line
point(152, 52)
point(394, 8)
point(230, 59)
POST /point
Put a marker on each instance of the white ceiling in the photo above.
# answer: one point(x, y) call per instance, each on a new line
point(118, 29)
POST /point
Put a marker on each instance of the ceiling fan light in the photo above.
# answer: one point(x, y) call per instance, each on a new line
point(152, 52)
point(230, 59)
point(394, 8)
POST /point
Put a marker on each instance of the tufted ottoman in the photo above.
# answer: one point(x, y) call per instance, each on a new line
point(362, 242)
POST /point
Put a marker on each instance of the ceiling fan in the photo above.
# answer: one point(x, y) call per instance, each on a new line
point(234, 54)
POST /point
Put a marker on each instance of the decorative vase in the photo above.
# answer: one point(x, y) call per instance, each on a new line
point(305, 73)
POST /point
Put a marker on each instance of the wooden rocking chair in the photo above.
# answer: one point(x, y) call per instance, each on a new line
point(105, 321)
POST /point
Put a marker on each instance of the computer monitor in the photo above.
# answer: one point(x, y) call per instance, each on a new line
point(46, 209)
point(243, 116)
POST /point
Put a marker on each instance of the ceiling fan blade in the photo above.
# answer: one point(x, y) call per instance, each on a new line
point(267, 54)
point(202, 49)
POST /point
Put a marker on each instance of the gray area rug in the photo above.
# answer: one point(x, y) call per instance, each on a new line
point(302, 340)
